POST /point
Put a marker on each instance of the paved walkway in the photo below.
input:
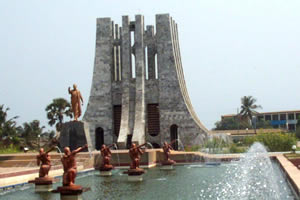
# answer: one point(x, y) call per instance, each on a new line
point(5, 170)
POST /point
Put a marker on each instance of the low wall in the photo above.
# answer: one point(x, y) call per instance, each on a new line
point(292, 173)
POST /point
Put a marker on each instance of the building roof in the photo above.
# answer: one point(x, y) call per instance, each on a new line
point(267, 113)
point(248, 132)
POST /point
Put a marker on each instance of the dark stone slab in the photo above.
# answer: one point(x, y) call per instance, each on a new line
point(72, 135)
point(69, 190)
point(168, 162)
point(106, 168)
point(134, 172)
point(42, 181)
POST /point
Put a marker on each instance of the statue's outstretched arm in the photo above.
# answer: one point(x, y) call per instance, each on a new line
point(50, 149)
point(79, 149)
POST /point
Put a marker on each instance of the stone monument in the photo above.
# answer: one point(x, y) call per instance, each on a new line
point(138, 92)
point(75, 133)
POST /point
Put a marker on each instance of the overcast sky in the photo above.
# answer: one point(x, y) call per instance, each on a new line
point(229, 48)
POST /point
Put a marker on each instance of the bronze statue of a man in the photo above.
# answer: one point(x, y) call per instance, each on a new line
point(76, 98)
point(43, 160)
point(69, 165)
point(135, 153)
point(106, 155)
point(167, 150)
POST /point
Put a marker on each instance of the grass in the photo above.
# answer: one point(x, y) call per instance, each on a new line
point(9, 150)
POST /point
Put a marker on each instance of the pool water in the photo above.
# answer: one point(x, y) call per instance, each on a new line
point(184, 182)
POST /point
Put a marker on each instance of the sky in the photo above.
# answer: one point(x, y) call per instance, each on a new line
point(229, 49)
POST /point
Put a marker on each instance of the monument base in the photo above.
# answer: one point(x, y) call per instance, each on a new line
point(135, 175)
point(73, 135)
point(105, 173)
point(71, 197)
point(135, 178)
point(43, 188)
point(42, 184)
point(167, 167)
point(70, 192)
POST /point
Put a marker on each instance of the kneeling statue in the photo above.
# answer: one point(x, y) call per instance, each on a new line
point(69, 165)
point(106, 156)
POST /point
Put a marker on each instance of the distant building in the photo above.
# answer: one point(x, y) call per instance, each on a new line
point(240, 134)
point(281, 119)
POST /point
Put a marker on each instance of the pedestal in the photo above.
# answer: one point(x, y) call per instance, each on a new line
point(71, 197)
point(73, 135)
point(70, 192)
point(167, 164)
point(167, 167)
point(105, 173)
point(43, 188)
point(42, 184)
point(135, 175)
point(135, 178)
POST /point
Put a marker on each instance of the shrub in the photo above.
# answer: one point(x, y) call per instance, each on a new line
point(192, 148)
point(235, 149)
point(298, 132)
point(273, 141)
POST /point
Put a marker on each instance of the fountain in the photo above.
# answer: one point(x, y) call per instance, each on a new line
point(252, 177)
point(116, 148)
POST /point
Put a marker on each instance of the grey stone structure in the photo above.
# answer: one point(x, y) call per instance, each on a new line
point(138, 92)
point(73, 135)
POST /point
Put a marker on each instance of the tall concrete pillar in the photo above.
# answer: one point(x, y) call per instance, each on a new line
point(99, 108)
point(126, 75)
point(151, 52)
point(139, 123)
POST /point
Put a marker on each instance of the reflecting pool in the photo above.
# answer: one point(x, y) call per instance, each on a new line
point(185, 182)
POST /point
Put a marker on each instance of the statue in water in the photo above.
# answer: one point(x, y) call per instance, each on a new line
point(135, 153)
point(43, 160)
point(76, 99)
point(106, 156)
point(69, 165)
point(167, 151)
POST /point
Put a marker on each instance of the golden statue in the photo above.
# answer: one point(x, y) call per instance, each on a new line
point(75, 101)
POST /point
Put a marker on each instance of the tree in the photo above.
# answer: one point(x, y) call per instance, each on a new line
point(31, 133)
point(8, 128)
point(263, 124)
point(248, 108)
point(230, 124)
point(56, 111)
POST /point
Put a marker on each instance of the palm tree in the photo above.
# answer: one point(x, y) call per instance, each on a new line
point(56, 111)
point(248, 108)
point(31, 132)
point(8, 127)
